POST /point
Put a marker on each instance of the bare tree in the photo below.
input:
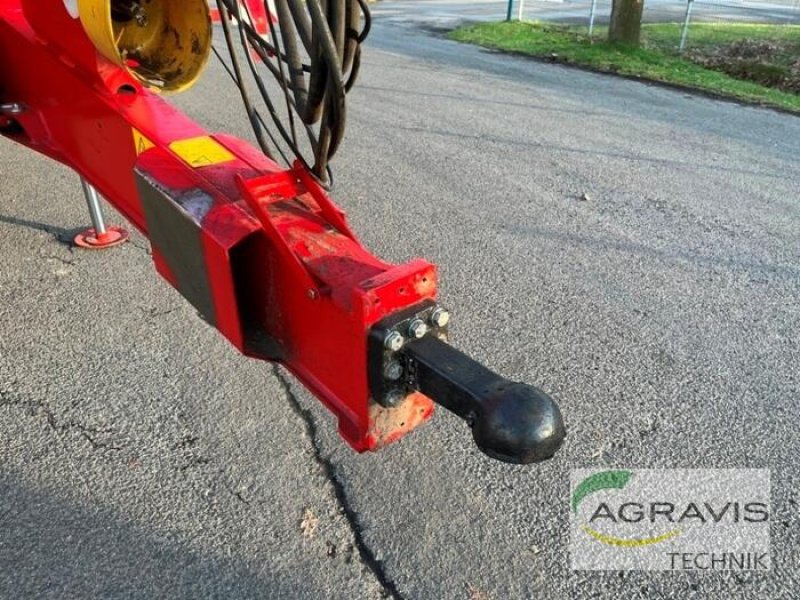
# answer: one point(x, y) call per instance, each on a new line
point(626, 22)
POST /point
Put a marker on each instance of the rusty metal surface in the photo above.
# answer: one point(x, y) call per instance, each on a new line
point(387, 425)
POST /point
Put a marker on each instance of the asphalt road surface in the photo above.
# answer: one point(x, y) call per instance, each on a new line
point(141, 457)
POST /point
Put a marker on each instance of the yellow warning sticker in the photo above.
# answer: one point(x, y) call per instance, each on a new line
point(201, 151)
point(141, 142)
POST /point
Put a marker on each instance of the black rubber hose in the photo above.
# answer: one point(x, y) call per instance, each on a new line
point(314, 54)
point(248, 105)
point(289, 34)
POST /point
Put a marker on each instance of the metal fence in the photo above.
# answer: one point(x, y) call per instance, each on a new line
point(596, 13)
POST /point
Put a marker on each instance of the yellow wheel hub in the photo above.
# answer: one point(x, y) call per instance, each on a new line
point(165, 44)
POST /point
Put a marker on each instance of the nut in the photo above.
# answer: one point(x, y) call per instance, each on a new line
point(394, 398)
point(440, 317)
point(393, 370)
point(417, 329)
point(394, 341)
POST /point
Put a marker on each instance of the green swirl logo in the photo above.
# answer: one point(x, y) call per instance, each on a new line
point(612, 480)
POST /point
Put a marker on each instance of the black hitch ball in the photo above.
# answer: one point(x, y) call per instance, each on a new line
point(511, 422)
point(517, 423)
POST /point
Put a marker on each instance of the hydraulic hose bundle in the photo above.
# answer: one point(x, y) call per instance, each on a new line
point(314, 54)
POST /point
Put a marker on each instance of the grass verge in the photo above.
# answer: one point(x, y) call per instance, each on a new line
point(720, 59)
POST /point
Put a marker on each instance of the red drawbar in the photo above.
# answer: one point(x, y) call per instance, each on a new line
point(262, 251)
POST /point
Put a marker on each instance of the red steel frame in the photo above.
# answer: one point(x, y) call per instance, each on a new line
point(277, 254)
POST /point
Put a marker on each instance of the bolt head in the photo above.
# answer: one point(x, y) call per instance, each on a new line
point(440, 317)
point(394, 398)
point(393, 370)
point(394, 341)
point(417, 329)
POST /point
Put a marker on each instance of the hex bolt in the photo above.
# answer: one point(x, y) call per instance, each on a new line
point(393, 370)
point(394, 398)
point(440, 317)
point(394, 341)
point(417, 329)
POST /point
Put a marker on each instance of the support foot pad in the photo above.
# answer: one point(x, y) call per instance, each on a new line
point(114, 236)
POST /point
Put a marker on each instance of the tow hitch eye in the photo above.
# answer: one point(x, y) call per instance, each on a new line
point(511, 422)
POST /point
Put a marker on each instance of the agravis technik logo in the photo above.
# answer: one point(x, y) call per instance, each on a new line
point(710, 519)
point(612, 480)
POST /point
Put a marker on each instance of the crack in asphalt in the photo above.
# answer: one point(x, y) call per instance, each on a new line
point(366, 553)
point(72, 261)
point(144, 248)
point(37, 407)
point(236, 494)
